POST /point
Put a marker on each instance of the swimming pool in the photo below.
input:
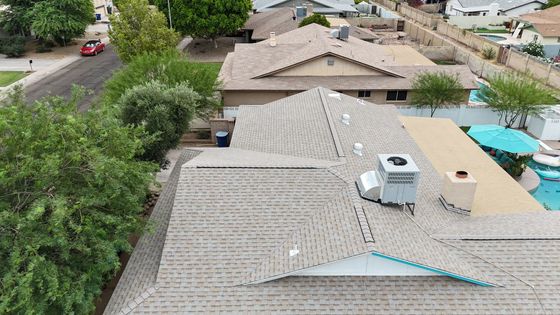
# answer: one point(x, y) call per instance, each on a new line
point(474, 97)
point(548, 192)
point(494, 38)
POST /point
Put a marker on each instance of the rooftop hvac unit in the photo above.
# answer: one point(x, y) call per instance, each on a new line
point(395, 181)
point(343, 32)
point(399, 178)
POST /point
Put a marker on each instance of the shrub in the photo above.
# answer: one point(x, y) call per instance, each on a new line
point(315, 18)
point(13, 46)
point(534, 48)
point(165, 113)
point(488, 53)
point(171, 69)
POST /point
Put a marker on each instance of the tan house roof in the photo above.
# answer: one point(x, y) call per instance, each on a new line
point(546, 22)
point(257, 66)
point(227, 220)
point(278, 20)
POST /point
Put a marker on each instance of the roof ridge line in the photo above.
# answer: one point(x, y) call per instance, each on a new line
point(330, 121)
point(131, 305)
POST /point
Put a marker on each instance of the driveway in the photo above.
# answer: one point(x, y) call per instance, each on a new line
point(90, 72)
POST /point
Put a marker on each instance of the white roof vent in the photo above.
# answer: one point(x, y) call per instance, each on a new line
point(360, 101)
point(369, 186)
point(272, 40)
point(294, 251)
point(357, 148)
point(334, 33)
point(335, 95)
point(345, 119)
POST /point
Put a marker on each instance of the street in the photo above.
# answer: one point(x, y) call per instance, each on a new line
point(90, 72)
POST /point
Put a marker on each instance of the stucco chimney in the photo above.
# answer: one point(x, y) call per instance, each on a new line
point(272, 40)
point(309, 9)
point(458, 191)
point(493, 9)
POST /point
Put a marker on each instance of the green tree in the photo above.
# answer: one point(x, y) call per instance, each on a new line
point(71, 193)
point(513, 96)
point(61, 20)
point(169, 68)
point(165, 113)
point(434, 89)
point(15, 18)
point(551, 3)
point(315, 18)
point(207, 18)
point(140, 28)
point(534, 48)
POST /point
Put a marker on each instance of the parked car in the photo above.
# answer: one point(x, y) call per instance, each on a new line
point(92, 48)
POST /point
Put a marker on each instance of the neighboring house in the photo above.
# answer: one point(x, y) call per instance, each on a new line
point(326, 7)
point(282, 20)
point(542, 26)
point(492, 8)
point(255, 74)
point(103, 8)
point(275, 225)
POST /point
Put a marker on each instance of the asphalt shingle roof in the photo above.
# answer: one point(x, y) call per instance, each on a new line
point(288, 179)
point(240, 70)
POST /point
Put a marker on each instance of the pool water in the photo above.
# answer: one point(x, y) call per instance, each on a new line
point(474, 97)
point(548, 192)
point(494, 38)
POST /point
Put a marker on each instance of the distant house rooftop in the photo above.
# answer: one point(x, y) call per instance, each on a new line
point(275, 224)
point(310, 56)
point(341, 7)
point(546, 22)
point(504, 5)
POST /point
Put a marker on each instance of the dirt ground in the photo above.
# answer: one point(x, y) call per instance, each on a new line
point(202, 50)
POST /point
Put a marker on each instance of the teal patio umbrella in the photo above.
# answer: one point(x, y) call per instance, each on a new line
point(505, 139)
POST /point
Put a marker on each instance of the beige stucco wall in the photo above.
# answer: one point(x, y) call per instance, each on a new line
point(236, 98)
point(529, 34)
point(319, 67)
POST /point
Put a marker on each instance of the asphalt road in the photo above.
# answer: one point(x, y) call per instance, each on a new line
point(90, 72)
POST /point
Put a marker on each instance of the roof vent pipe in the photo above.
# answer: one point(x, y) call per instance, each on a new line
point(357, 148)
point(345, 119)
point(272, 40)
point(294, 251)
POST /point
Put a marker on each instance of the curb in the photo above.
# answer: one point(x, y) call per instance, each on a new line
point(36, 76)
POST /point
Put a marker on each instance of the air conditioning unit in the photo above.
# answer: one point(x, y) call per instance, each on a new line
point(343, 32)
point(395, 181)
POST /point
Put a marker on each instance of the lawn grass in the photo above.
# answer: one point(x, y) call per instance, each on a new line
point(444, 62)
point(9, 77)
point(484, 30)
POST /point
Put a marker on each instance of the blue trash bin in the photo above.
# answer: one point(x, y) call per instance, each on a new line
point(98, 16)
point(222, 138)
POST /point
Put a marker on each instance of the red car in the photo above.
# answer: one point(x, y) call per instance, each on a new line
point(92, 48)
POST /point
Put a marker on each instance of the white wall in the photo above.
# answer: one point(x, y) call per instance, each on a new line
point(466, 22)
point(527, 37)
point(463, 115)
point(365, 265)
point(544, 129)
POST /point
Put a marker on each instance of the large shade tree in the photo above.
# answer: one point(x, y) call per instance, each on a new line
point(207, 18)
point(435, 89)
point(514, 96)
point(140, 28)
point(71, 193)
point(61, 20)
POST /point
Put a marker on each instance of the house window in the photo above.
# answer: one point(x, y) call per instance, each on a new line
point(364, 94)
point(535, 38)
point(330, 62)
point(483, 13)
point(396, 95)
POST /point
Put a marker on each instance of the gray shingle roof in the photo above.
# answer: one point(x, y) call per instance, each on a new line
point(279, 21)
point(237, 212)
point(330, 6)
